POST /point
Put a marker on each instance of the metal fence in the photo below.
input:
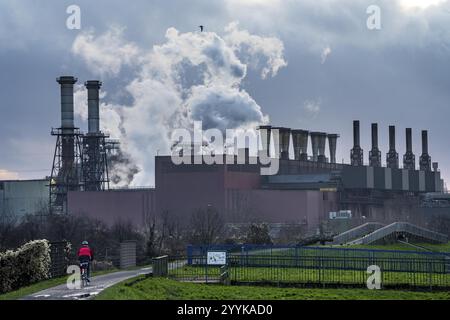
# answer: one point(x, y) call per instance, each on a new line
point(309, 266)
point(294, 250)
point(58, 258)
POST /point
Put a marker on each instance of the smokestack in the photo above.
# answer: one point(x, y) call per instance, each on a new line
point(391, 137)
point(67, 123)
point(425, 142)
point(392, 155)
point(93, 88)
point(265, 132)
point(322, 142)
point(356, 154)
point(409, 159)
point(315, 145)
point(408, 140)
point(435, 166)
point(66, 84)
point(356, 141)
point(375, 153)
point(285, 139)
point(332, 142)
point(425, 159)
point(300, 141)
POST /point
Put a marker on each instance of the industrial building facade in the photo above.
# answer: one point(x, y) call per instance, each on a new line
point(306, 188)
point(304, 192)
point(19, 198)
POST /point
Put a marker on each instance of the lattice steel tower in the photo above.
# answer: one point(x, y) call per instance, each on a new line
point(66, 169)
point(94, 159)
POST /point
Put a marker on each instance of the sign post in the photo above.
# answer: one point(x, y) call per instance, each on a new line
point(215, 258)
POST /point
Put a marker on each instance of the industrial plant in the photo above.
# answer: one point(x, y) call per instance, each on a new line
point(308, 190)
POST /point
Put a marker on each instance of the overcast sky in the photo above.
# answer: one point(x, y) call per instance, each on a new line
point(333, 68)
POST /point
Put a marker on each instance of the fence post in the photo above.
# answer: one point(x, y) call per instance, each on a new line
point(189, 254)
point(160, 266)
point(320, 269)
point(127, 254)
point(224, 275)
point(430, 275)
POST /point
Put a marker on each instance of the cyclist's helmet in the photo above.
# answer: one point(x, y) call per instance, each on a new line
point(85, 243)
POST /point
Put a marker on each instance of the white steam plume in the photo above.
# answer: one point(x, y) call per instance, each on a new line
point(191, 76)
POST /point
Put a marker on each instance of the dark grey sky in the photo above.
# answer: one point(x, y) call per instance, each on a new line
point(397, 75)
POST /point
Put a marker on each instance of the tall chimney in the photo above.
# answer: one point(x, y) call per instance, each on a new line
point(375, 153)
point(409, 159)
point(67, 123)
point(93, 88)
point(285, 139)
point(356, 154)
point(315, 145)
point(265, 132)
point(332, 142)
point(66, 84)
point(322, 142)
point(425, 159)
point(300, 142)
point(392, 155)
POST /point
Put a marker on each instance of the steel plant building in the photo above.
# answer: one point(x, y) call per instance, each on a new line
point(305, 190)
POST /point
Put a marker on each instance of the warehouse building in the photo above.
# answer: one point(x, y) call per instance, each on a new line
point(21, 197)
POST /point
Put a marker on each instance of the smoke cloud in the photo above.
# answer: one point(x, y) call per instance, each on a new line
point(192, 76)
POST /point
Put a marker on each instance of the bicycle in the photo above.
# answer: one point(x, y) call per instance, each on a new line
point(84, 274)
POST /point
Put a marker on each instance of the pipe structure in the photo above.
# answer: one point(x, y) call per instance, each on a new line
point(93, 88)
point(425, 159)
point(322, 142)
point(67, 122)
point(300, 142)
point(332, 142)
point(392, 155)
point(375, 153)
point(66, 83)
point(356, 154)
point(315, 136)
point(409, 159)
point(94, 160)
point(285, 139)
point(265, 132)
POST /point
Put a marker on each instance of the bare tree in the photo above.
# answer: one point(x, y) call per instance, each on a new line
point(258, 234)
point(206, 225)
point(151, 235)
point(123, 230)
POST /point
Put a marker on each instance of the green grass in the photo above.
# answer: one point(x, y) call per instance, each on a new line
point(302, 275)
point(42, 285)
point(165, 289)
point(402, 247)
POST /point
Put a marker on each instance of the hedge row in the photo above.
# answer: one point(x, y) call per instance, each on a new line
point(27, 265)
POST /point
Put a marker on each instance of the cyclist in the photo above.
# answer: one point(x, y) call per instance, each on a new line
point(86, 255)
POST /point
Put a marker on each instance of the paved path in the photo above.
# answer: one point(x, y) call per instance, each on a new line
point(98, 284)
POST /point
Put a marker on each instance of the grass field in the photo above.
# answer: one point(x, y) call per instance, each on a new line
point(165, 289)
point(407, 266)
point(400, 246)
point(311, 276)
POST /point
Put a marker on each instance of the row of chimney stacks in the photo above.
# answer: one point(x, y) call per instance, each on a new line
point(392, 160)
point(300, 143)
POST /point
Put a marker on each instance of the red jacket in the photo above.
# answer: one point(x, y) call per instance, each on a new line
point(85, 251)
